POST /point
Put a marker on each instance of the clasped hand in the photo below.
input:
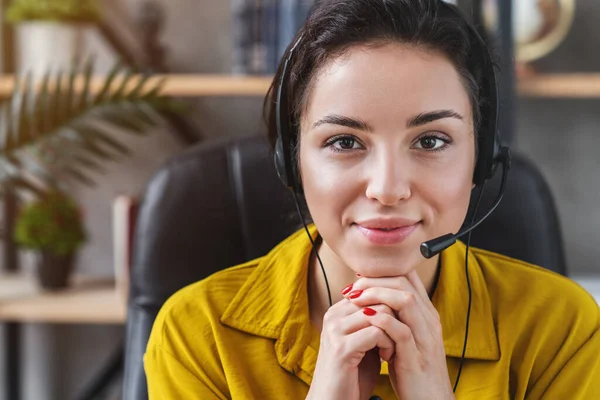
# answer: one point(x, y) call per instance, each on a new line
point(388, 318)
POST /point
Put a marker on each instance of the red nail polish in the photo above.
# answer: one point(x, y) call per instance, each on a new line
point(369, 311)
point(354, 294)
point(347, 289)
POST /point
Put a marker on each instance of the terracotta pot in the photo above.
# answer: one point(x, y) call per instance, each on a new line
point(54, 271)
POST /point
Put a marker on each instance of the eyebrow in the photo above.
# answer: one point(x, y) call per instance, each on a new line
point(359, 124)
point(335, 119)
point(431, 116)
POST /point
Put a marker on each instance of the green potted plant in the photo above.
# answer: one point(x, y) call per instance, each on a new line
point(59, 131)
point(52, 225)
point(50, 33)
point(53, 10)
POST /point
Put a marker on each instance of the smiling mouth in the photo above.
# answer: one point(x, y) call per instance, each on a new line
point(386, 235)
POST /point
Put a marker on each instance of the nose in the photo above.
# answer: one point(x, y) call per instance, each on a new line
point(388, 179)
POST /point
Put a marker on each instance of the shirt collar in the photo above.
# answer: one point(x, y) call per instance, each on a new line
point(273, 303)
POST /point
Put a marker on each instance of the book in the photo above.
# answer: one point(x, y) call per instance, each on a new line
point(292, 15)
point(258, 54)
point(262, 30)
point(124, 218)
point(270, 33)
point(287, 25)
point(242, 16)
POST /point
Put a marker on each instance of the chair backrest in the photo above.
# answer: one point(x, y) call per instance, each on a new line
point(220, 204)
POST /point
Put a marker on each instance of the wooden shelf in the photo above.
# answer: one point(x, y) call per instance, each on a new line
point(580, 85)
point(179, 85)
point(87, 301)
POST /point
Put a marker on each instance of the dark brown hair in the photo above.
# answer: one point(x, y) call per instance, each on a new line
point(333, 26)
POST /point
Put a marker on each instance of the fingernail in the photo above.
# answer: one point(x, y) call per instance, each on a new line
point(354, 294)
point(347, 289)
point(369, 311)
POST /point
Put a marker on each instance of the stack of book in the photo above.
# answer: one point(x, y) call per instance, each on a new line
point(262, 30)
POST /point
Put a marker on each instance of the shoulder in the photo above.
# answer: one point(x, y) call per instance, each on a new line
point(182, 358)
point(531, 281)
point(518, 289)
point(198, 307)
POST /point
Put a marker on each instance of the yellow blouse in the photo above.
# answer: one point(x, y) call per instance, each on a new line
point(245, 333)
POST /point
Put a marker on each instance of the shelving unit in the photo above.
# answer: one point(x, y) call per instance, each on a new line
point(573, 85)
point(178, 85)
point(87, 301)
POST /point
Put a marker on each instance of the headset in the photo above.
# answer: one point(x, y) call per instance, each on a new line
point(491, 153)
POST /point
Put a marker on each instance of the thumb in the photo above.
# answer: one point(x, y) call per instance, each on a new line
point(386, 353)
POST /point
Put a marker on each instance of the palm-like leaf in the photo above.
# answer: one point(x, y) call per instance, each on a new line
point(51, 129)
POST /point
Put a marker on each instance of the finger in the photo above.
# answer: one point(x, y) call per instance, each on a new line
point(356, 321)
point(406, 352)
point(396, 282)
point(399, 283)
point(371, 337)
point(406, 306)
point(417, 283)
point(386, 354)
point(340, 309)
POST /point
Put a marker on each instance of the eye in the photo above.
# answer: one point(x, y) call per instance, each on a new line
point(432, 143)
point(343, 143)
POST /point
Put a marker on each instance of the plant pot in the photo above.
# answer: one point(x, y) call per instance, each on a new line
point(41, 46)
point(54, 271)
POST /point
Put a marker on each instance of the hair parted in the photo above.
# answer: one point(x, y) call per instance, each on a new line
point(334, 26)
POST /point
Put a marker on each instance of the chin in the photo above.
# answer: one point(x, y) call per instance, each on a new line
point(381, 264)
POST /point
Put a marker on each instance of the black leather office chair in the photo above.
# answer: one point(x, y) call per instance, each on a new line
point(220, 204)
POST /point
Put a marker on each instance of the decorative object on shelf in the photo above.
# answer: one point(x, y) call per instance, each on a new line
point(50, 33)
point(56, 130)
point(52, 226)
point(539, 26)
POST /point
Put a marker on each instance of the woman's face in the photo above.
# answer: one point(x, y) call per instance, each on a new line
point(386, 155)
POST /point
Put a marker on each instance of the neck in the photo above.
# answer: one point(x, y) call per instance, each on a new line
point(339, 275)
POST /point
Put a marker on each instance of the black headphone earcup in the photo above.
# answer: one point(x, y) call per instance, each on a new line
point(487, 159)
point(279, 160)
point(496, 157)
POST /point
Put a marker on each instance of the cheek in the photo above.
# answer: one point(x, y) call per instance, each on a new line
point(448, 195)
point(328, 187)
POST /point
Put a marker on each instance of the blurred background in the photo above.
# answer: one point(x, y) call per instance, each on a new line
point(84, 129)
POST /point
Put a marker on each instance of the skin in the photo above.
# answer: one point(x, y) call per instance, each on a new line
point(384, 167)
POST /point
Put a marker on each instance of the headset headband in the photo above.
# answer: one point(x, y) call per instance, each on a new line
point(487, 133)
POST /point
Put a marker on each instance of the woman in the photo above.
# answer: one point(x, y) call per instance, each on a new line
point(386, 108)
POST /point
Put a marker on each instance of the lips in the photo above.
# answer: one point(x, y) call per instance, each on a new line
point(386, 231)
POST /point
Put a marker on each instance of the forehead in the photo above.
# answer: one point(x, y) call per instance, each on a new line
point(391, 81)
